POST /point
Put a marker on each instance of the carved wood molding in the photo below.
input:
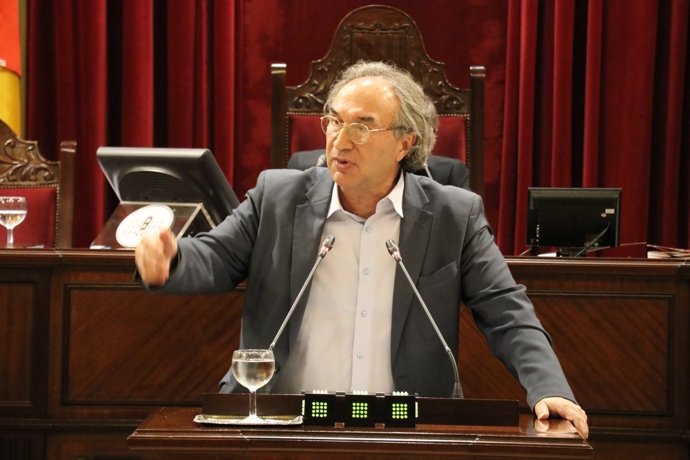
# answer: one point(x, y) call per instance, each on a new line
point(394, 37)
point(20, 161)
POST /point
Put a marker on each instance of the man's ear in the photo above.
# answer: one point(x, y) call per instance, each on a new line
point(407, 142)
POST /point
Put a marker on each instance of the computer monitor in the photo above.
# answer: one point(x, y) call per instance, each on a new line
point(573, 219)
point(168, 175)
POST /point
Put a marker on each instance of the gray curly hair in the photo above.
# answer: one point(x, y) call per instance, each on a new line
point(417, 113)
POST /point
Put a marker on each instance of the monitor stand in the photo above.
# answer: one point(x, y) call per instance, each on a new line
point(131, 219)
point(572, 252)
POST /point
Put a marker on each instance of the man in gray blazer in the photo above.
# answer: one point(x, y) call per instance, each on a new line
point(359, 325)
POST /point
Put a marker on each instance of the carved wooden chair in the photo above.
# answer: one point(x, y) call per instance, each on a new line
point(379, 33)
point(47, 185)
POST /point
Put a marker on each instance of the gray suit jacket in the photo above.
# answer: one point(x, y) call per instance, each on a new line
point(272, 240)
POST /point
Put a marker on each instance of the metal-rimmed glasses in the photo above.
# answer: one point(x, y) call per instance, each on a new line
point(357, 132)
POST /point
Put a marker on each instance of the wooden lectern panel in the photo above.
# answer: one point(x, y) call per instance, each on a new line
point(171, 431)
point(589, 333)
point(24, 295)
point(87, 354)
point(160, 348)
point(619, 328)
point(16, 322)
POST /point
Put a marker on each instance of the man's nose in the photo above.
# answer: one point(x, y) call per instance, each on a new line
point(342, 139)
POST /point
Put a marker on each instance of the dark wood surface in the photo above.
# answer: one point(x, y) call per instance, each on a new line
point(173, 431)
point(86, 354)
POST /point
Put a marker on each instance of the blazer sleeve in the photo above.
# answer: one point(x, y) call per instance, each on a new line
point(506, 316)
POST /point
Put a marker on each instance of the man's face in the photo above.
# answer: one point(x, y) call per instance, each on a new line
point(370, 168)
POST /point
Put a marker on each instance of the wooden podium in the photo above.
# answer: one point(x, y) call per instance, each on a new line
point(172, 433)
point(89, 355)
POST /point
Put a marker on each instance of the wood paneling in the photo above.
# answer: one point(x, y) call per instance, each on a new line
point(87, 354)
point(625, 335)
point(16, 324)
point(24, 303)
point(92, 446)
point(621, 342)
point(160, 349)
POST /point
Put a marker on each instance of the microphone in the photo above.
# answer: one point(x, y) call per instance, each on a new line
point(394, 251)
point(326, 246)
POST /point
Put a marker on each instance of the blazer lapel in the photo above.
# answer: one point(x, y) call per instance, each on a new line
point(415, 230)
point(310, 218)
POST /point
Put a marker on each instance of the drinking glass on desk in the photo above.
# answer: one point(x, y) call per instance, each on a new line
point(253, 369)
point(12, 213)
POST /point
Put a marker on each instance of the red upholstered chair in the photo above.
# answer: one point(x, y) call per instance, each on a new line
point(379, 33)
point(47, 185)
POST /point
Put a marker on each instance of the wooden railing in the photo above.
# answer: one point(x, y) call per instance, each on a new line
point(87, 354)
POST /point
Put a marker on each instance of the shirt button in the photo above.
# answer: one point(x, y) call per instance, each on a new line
point(363, 314)
point(368, 229)
point(360, 355)
point(366, 271)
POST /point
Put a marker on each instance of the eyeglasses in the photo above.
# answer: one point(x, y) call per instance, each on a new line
point(357, 132)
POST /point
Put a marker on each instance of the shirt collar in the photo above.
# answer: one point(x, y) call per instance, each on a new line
point(395, 196)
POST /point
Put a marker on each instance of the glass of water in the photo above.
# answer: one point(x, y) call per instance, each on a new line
point(253, 369)
point(12, 213)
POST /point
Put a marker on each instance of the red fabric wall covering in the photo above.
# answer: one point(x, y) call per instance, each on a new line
point(578, 93)
point(516, 155)
point(627, 84)
point(592, 94)
point(137, 113)
point(606, 54)
point(668, 211)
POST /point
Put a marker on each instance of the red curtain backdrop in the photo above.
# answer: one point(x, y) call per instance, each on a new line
point(587, 93)
point(595, 97)
point(130, 73)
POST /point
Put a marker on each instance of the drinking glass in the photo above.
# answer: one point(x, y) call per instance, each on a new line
point(12, 213)
point(253, 369)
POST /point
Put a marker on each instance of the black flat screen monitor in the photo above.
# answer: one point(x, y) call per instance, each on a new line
point(574, 219)
point(168, 175)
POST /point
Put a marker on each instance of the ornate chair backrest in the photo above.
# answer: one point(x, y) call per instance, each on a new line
point(47, 185)
point(379, 33)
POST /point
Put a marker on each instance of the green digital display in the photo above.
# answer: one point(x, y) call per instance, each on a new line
point(323, 408)
point(399, 411)
point(319, 409)
point(360, 410)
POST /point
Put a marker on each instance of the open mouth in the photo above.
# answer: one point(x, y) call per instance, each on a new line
point(340, 163)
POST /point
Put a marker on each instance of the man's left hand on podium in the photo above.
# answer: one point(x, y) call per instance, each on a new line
point(564, 408)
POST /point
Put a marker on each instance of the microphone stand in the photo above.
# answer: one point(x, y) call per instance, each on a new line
point(325, 247)
point(395, 252)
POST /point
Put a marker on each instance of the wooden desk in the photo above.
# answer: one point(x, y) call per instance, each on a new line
point(87, 354)
point(171, 431)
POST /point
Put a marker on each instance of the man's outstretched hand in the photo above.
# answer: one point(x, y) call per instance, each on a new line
point(153, 255)
point(564, 408)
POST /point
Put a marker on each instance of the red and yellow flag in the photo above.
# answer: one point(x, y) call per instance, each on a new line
point(10, 65)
